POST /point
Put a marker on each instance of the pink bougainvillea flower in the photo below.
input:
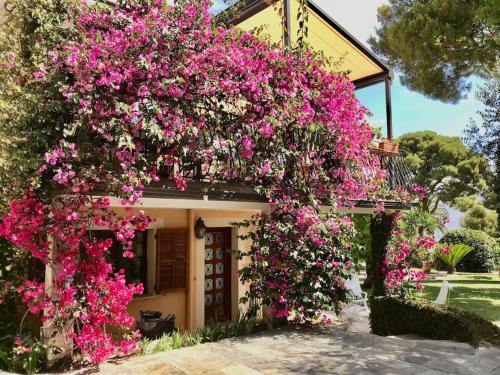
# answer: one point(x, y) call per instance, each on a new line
point(39, 74)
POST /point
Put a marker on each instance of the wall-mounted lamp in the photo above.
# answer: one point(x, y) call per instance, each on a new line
point(200, 229)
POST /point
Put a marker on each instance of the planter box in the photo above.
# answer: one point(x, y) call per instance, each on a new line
point(389, 148)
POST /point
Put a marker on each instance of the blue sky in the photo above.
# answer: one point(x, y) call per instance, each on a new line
point(411, 111)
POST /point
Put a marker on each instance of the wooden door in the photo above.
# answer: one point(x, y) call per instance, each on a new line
point(218, 275)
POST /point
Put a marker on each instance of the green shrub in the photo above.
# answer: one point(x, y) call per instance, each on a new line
point(390, 316)
point(171, 341)
point(483, 256)
point(452, 254)
point(210, 333)
point(27, 358)
point(216, 331)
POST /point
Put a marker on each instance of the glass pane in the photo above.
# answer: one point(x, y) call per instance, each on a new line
point(219, 283)
point(209, 269)
point(209, 239)
point(219, 268)
point(219, 237)
point(219, 298)
point(219, 253)
point(209, 254)
point(209, 284)
point(209, 299)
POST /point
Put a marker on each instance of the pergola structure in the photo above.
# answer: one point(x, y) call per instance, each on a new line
point(324, 34)
point(279, 21)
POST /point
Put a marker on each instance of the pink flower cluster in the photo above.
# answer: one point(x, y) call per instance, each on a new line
point(154, 89)
point(85, 288)
point(298, 270)
point(133, 82)
point(400, 278)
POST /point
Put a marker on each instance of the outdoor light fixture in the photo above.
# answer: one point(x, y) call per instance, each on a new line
point(200, 229)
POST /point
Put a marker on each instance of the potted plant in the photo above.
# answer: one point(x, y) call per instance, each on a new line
point(425, 253)
point(452, 255)
point(377, 136)
point(389, 146)
point(426, 266)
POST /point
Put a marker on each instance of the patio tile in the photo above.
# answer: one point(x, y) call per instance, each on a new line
point(325, 350)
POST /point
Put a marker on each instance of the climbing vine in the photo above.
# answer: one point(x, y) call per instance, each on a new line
point(161, 93)
point(299, 261)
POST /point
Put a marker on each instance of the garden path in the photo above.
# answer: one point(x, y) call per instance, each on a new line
point(327, 350)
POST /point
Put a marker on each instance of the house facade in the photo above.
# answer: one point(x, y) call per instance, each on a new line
point(195, 275)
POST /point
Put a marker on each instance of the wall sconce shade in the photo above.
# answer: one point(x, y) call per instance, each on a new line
point(200, 229)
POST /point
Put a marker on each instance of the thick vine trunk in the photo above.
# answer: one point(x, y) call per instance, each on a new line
point(380, 229)
point(56, 339)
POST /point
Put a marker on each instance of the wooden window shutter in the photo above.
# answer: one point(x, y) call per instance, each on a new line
point(171, 258)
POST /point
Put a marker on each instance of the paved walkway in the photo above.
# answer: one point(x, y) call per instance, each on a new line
point(327, 350)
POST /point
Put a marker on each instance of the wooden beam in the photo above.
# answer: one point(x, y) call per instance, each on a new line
point(287, 23)
point(370, 80)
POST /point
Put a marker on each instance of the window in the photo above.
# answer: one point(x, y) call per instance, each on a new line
point(135, 268)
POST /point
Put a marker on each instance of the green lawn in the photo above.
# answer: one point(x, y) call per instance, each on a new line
point(479, 293)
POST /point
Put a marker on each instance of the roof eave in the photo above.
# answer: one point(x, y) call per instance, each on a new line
point(252, 7)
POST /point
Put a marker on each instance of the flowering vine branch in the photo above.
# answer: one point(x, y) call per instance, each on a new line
point(155, 93)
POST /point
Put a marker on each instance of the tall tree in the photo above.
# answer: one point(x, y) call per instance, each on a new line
point(476, 215)
point(484, 136)
point(445, 166)
point(438, 44)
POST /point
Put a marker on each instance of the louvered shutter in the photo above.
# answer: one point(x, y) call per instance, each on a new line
point(171, 259)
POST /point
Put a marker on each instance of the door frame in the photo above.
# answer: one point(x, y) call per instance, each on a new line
point(228, 269)
point(199, 263)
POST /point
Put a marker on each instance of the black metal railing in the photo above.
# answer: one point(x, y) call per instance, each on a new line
point(399, 175)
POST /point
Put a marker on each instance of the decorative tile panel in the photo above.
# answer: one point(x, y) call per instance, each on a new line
point(209, 254)
point(209, 239)
point(219, 253)
point(209, 284)
point(219, 238)
point(219, 283)
point(219, 268)
point(209, 269)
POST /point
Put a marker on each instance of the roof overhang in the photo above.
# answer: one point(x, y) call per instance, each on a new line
point(324, 34)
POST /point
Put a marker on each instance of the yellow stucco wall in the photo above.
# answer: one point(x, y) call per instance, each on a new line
point(174, 302)
point(188, 305)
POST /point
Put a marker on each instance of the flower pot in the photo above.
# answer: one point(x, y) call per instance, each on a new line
point(389, 148)
point(451, 270)
point(426, 266)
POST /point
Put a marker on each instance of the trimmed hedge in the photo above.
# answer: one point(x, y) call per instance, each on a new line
point(483, 256)
point(391, 316)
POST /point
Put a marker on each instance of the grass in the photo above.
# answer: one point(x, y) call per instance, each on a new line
point(478, 293)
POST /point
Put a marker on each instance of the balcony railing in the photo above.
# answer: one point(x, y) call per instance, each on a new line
point(399, 177)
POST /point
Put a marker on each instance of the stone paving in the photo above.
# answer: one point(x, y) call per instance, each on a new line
point(326, 350)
